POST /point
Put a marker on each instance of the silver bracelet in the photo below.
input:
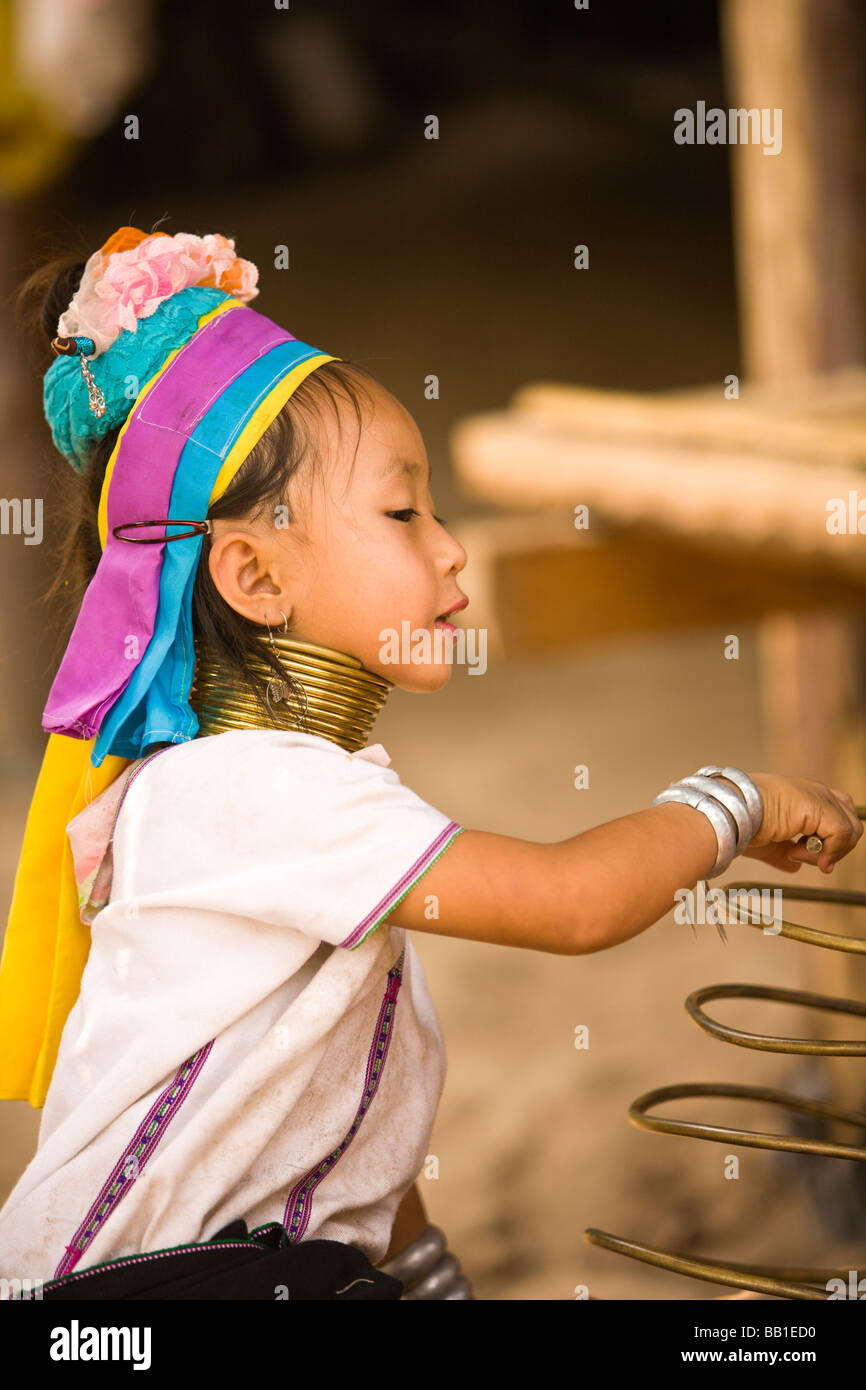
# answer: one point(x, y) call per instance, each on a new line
point(733, 802)
point(753, 799)
point(720, 819)
point(736, 816)
point(427, 1269)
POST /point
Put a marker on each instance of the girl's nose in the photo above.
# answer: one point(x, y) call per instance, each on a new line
point(456, 556)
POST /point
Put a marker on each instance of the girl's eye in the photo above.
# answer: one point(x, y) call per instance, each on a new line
point(406, 514)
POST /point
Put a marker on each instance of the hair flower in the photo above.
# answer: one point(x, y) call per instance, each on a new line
point(119, 287)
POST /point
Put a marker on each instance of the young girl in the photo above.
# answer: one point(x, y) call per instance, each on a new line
point(208, 978)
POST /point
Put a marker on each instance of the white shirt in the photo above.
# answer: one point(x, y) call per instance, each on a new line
point(246, 1042)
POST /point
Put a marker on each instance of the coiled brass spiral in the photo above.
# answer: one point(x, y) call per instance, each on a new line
point(778, 1281)
point(325, 692)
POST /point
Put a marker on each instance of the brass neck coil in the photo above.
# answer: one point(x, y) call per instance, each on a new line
point(325, 692)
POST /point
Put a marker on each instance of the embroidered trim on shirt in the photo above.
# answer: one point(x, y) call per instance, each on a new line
point(396, 894)
point(296, 1217)
point(137, 1152)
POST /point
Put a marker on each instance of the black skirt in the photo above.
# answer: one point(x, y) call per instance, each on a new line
point(233, 1264)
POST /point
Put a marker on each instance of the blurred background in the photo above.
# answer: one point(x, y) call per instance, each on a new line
point(694, 377)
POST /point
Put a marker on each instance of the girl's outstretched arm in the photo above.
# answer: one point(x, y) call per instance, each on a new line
point(569, 897)
point(611, 882)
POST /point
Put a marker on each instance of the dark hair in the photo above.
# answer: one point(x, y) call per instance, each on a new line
point(259, 486)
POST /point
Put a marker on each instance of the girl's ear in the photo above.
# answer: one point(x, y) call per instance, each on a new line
point(239, 567)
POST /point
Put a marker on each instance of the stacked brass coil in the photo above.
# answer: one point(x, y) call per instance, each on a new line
point(329, 694)
point(774, 1280)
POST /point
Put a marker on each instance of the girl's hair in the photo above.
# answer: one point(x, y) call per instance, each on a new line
point(259, 486)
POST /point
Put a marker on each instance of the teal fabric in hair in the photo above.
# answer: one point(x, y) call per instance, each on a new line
point(120, 373)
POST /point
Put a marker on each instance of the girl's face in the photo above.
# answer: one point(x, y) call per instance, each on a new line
point(363, 559)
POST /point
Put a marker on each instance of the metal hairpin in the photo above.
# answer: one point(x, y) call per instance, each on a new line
point(197, 528)
point(87, 348)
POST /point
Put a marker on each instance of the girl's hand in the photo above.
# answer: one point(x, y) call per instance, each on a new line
point(795, 806)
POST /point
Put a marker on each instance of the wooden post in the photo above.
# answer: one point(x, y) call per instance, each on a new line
point(798, 215)
point(799, 230)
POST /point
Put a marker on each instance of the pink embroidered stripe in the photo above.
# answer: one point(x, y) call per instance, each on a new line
point(134, 1157)
point(401, 888)
point(296, 1216)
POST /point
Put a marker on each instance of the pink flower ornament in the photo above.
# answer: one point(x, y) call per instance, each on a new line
point(119, 289)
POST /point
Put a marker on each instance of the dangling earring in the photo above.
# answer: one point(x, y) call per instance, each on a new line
point(268, 626)
point(277, 689)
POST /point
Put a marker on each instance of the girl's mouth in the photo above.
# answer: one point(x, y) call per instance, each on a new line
point(443, 621)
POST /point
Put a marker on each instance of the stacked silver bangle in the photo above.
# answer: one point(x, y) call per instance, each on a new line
point(427, 1269)
point(735, 816)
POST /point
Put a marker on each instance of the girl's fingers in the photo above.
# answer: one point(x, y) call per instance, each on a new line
point(843, 796)
point(779, 856)
point(849, 810)
point(833, 818)
point(838, 828)
point(849, 806)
